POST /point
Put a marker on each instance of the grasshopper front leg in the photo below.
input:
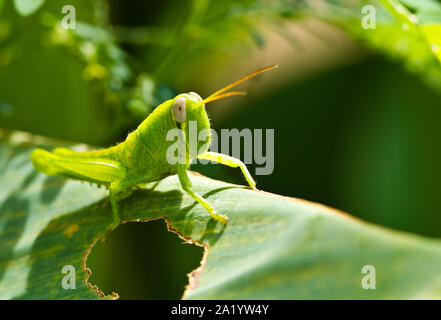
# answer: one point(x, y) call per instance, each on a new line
point(187, 186)
point(231, 162)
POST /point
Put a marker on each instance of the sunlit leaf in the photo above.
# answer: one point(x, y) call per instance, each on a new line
point(27, 7)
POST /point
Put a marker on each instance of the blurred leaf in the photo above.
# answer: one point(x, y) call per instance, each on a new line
point(398, 32)
point(272, 247)
point(202, 28)
point(27, 7)
point(92, 82)
point(423, 6)
point(433, 35)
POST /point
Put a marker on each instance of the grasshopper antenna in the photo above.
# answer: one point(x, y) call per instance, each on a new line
point(220, 94)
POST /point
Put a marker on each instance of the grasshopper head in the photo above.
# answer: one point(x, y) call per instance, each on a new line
point(189, 113)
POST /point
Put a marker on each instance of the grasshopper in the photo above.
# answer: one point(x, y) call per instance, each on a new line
point(141, 158)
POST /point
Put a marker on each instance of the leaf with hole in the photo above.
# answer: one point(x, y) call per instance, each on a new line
point(273, 247)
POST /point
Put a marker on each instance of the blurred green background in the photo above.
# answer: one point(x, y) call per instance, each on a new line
point(353, 129)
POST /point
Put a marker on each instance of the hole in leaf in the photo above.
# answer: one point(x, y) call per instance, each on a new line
point(143, 261)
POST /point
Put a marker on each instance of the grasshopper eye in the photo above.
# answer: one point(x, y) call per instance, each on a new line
point(179, 109)
point(194, 94)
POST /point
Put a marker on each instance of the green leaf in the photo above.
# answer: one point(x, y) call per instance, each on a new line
point(272, 247)
point(27, 7)
point(433, 35)
point(422, 5)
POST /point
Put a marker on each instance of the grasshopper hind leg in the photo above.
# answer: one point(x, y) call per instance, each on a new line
point(116, 193)
point(115, 211)
point(92, 169)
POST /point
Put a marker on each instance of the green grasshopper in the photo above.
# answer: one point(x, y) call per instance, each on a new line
point(141, 157)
